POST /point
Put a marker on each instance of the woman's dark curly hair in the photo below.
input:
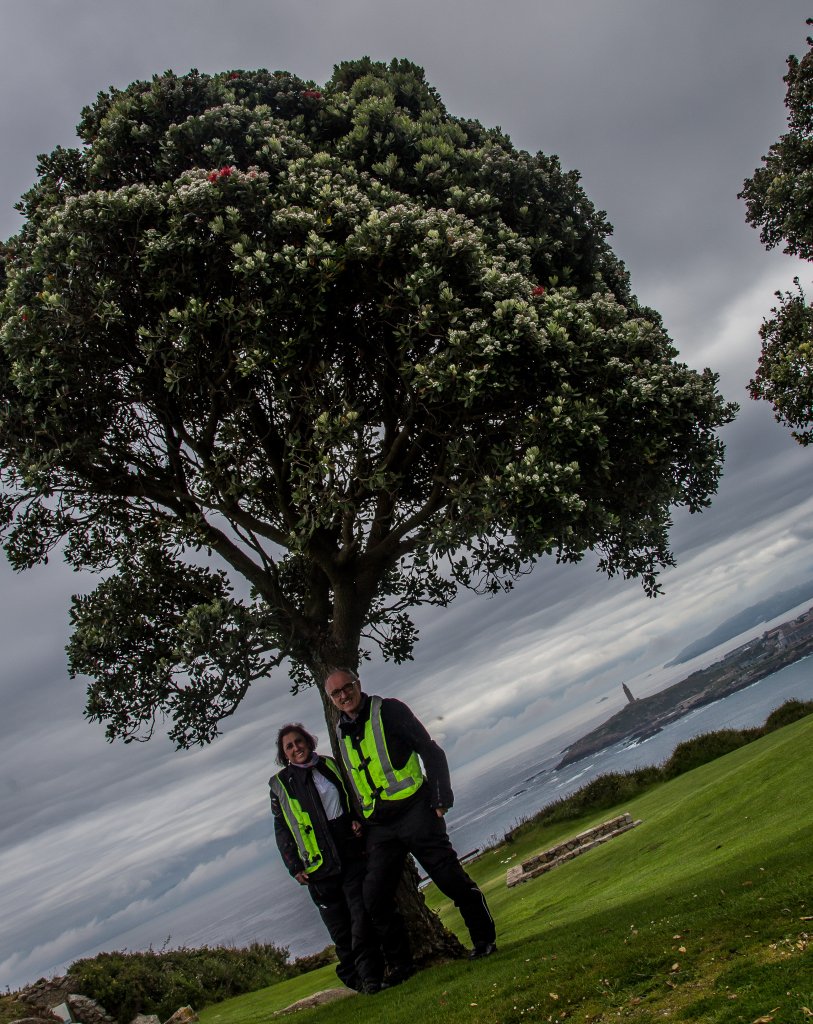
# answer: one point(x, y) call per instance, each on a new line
point(282, 760)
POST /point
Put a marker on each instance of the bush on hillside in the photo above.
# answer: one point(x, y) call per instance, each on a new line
point(788, 713)
point(706, 747)
point(12, 1009)
point(604, 791)
point(313, 961)
point(159, 982)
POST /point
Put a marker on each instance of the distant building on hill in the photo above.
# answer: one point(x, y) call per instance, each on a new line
point(628, 693)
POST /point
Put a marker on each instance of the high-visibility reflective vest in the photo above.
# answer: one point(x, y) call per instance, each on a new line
point(370, 769)
point(299, 821)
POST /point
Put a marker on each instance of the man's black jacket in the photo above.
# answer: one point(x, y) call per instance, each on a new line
point(403, 734)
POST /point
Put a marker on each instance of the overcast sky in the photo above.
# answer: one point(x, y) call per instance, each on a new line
point(664, 108)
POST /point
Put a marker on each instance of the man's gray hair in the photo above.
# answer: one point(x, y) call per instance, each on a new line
point(347, 671)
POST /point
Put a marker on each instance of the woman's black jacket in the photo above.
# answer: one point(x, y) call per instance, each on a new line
point(335, 838)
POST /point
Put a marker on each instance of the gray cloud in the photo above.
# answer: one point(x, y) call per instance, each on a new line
point(664, 109)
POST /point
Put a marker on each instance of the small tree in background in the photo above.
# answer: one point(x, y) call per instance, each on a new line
point(779, 198)
point(358, 351)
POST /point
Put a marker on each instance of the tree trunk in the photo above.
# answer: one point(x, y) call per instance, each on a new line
point(429, 938)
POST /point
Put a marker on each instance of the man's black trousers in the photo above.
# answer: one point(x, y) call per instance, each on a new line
point(419, 831)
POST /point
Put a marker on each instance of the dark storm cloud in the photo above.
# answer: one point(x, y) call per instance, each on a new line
point(664, 109)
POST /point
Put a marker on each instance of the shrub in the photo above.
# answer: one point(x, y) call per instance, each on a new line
point(604, 791)
point(313, 961)
point(11, 1009)
point(789, 712)
point(128, 983)
point(706, 747)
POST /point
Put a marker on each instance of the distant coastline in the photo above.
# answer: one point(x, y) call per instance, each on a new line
point(641, 718)
point(747, 619)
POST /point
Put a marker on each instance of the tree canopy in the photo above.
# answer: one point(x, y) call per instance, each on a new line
point(779, 200)
point(282, 363)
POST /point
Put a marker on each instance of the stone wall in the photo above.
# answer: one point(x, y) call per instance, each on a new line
point(548, 859)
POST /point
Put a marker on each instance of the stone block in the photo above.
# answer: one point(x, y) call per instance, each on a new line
point(329, 995)
point(88, 1011)
point(514, 876)
point(183, 1015)
point(45, 993)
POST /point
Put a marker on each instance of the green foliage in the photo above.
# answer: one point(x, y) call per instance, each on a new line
point(784, 376)
point(702, 749)
point(358, 351)
point(603, 792)
point(785, 714)
point(778, 197)
point(160, 982)
point(778, 193)
point(12, 1009)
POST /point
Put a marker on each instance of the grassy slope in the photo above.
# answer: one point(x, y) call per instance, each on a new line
point(698, 914)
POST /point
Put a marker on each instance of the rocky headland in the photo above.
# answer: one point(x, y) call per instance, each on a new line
point(643, 717)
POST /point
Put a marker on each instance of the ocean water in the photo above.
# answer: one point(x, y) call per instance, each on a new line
point(508, 798)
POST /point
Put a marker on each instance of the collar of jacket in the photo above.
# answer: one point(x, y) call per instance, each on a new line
point(295, 777)
point(300, 780)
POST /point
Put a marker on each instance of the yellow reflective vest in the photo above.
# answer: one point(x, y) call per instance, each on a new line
point(372, 774)
point(299, 821)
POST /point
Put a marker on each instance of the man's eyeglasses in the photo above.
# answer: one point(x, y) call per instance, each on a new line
point(342, 691)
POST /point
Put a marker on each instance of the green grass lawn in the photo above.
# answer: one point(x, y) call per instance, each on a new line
point(702, 913)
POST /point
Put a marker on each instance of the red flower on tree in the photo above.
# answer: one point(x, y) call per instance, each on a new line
point(312, 94)
point(539, 290)
point(234, 75)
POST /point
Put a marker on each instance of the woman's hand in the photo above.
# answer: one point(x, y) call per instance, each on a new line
point(301, 877)
point(356, 827)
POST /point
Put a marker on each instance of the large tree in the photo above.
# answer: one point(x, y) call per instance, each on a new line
point(779, 200)
point(283, 363)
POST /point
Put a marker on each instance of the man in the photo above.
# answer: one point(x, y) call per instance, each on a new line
point(400, 779)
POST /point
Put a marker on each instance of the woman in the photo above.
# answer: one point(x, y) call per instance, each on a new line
point(321, 846)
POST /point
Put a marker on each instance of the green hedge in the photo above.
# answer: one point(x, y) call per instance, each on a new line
point(128, 983)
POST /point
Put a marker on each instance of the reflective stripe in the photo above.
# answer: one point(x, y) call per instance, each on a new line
point(370, 768)
point(350, 768)
point(395, 784)
point(299, 822)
